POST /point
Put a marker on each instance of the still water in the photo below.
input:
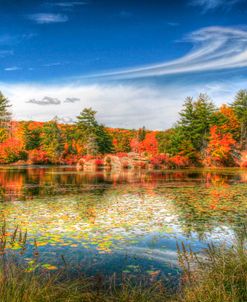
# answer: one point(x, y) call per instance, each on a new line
point(124, 223)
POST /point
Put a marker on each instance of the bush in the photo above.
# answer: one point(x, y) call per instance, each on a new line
point(38, 157)
point(179, 161)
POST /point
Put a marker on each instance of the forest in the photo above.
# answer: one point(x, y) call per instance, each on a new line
point(203, 136)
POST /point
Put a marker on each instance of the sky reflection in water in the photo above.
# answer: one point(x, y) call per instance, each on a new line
point(128, 222)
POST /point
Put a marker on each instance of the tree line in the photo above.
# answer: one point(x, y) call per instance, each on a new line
point(204, 135)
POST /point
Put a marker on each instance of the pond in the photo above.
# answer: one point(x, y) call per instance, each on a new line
point(124, 223)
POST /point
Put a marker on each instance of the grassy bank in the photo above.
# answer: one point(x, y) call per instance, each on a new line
point(217, 275)
point(220, 275)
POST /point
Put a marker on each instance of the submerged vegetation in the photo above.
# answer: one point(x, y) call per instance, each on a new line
point(204, 135)
point(217, 274)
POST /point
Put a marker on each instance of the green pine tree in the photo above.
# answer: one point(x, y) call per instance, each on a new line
point(92, 135)
point(5, 117)
point(240, 108)
point(196, 119)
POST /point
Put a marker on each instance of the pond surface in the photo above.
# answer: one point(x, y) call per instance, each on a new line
point(121, 223)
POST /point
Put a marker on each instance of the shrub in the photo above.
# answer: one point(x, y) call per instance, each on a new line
point(38, 157)
point(160, 159)
point(179, 161)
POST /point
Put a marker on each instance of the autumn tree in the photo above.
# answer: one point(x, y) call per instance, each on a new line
point(5, 117)
point(226, 119)
point(142, 134)
point(150, 144)
point(52, 141)
point(121, 139)
point(69, 137)
point(218, 152)
point(31, 135)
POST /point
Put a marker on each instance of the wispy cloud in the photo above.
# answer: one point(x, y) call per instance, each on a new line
point(7, 39)
point(68, 4)
point(45, 101)
point(12, 68)
point(52, 64)
point(214, 48)
point(4, 53)
point(213, 4)
point(173, 23)
point(47, 18)
point(7, 42)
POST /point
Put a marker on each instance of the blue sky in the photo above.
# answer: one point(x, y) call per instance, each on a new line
point(133, 61)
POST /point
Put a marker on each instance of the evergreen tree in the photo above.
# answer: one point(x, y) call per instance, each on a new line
point(104, 140)
point(196, 119)
point(240, 108)
point(5, 117)
point(86, 122)
point(93, 135)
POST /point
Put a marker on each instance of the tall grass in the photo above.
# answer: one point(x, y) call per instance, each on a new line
point(18, 286)
point(20, 282)
point(217, 275)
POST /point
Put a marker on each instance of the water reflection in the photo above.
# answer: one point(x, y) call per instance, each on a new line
point(129, 215)
point(25, 182)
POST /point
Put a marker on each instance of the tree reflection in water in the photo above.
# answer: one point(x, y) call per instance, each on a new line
point(129, 213)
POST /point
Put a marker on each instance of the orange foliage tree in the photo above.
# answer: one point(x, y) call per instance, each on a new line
point(228, 121)
point(218, 152)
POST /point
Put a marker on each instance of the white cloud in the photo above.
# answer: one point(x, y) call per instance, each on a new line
point(45, 18)
point(213, 4)
point(12, 68)
point(118, 105)
point(214, 48)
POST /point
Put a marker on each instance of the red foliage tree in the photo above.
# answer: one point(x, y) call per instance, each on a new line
point(150, 144)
